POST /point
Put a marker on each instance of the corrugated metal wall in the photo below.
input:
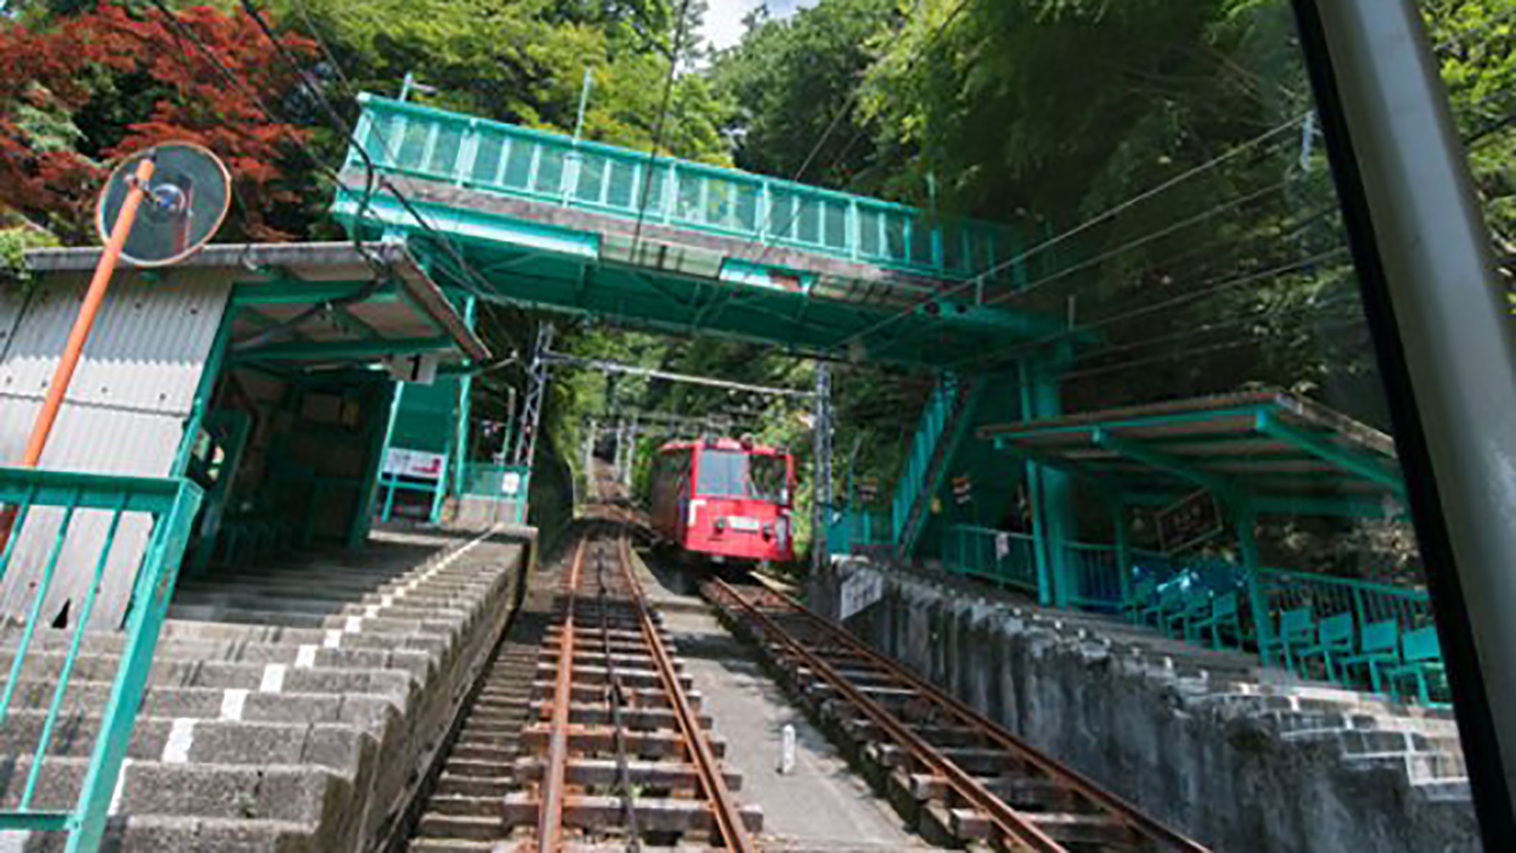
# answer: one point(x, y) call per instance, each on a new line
point(124, 413)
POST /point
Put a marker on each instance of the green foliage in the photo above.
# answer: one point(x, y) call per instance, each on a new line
point(14, 241)
point(790, 78)
point(523, 61)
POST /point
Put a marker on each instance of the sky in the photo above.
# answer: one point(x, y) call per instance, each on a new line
point(723, 20)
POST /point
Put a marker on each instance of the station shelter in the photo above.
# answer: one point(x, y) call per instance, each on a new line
point(1153, 513)
point(253, 383)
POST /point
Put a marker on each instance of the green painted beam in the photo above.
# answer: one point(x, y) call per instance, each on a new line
point(1364, 466)
point(297, 292)
point(313, 351)
point(355, 326)
point(1140, 452)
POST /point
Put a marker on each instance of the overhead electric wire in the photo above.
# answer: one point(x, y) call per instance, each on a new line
point(1077, 375)
point(1065, 236)
point(1261, 313)
point(1210, 289)
point(847, 109)
point(670, 193)
point(1143, 240)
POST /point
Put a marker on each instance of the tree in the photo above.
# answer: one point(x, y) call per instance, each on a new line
point(791, 79)
point(523, 61)
point(92, 87)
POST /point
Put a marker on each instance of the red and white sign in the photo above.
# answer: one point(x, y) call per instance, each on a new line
point(414, 463)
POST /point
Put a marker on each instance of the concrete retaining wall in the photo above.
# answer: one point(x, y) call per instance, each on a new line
point(1239, 769)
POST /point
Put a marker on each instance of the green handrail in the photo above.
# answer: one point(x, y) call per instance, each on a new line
point(47, 538)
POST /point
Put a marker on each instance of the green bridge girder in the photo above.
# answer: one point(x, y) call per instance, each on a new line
point(683, 248)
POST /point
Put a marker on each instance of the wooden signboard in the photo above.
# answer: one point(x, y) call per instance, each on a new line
point(1189, 522)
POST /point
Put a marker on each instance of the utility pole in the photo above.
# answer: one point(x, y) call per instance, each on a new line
point(821, 484)
point(531, 408)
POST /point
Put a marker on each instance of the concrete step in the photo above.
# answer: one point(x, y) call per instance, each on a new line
point(366, 711)
point(206, 605)
point(168, 833)
point(346, 635)
point(336, 746)
point(90, 668)
point(303, 795)
point(416, 662)
point(311, 621)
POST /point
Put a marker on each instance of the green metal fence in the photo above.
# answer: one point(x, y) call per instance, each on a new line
point(998, 556)
point(55, 514)
point(433, 144)
point(506, 484)
point(1176, 594)
point(1327, 596)
point(849, 529)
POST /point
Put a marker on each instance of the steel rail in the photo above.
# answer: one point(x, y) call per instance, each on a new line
point(615, 695)
point(1120, 808)
point(1009, 823)
point(718, 797)
point(550, 821)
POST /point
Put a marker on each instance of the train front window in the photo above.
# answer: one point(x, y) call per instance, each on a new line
point(722, 472)
point(730, 473)
point(770, 476)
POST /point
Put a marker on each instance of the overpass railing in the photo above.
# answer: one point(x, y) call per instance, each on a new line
point(432, 144)
point(1203, 600)
point(86, 529)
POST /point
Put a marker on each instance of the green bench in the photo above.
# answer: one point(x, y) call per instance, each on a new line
point(1421, 662)
point(1334, 640)
point(1297, 630)
point(1224, 612)
point(1378, 649)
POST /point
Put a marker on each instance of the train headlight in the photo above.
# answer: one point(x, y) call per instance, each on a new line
point(720, 524)
point(768, 530)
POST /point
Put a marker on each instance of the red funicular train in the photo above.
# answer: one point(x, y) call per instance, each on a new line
point(724, 498)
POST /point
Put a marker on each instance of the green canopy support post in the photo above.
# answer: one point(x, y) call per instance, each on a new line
point(1123, 549)
point(1053, 506)
point(209, 376)
point(1245, 518)
point(461, 453)
point(398, 394)
point(378, 446)
point(1034, 497)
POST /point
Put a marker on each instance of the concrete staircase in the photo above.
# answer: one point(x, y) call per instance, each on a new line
point(1208, 740)
point(291, 707)
point(1364, 730)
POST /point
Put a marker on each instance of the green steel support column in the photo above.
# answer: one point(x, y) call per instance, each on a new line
point(1246, 518)
point(379, 440)
point(1055, 503)
point(1034, 497)
point(389, 433)
point(1123, 550)
point(210, 373)
point(460, 458)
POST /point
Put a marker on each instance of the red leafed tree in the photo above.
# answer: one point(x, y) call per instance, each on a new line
point(96, 86)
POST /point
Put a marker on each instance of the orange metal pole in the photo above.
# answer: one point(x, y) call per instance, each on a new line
point(86, 319)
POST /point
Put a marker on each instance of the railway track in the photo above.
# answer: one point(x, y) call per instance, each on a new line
point(612, 753)
point(966, 778)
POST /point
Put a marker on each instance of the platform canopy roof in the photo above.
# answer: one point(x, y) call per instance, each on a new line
point(1277, 451)
point(306, 305)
